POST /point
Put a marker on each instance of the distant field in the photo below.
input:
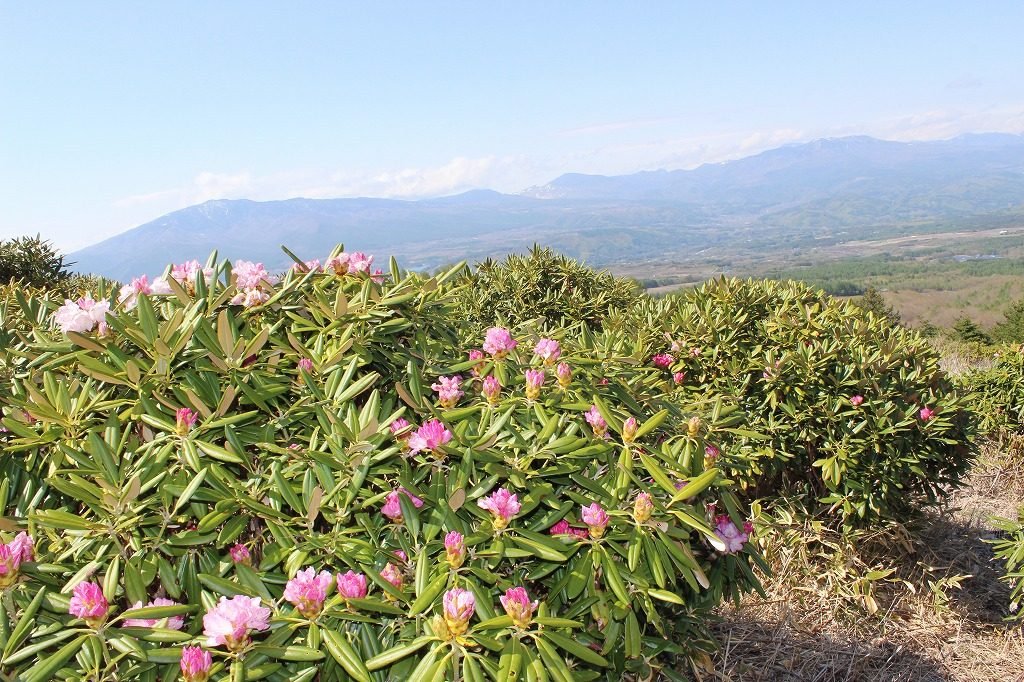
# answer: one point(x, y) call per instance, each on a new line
point(926, 275)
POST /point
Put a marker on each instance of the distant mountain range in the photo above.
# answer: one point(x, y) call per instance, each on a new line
point(827, 187)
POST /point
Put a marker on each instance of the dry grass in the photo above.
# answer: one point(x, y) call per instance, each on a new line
point(920, 604)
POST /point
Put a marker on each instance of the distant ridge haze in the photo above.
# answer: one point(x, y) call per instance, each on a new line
point(835, 184)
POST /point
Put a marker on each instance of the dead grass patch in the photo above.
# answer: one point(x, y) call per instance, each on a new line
point(920, 603)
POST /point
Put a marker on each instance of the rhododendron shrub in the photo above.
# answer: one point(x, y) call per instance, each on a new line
point(182, 497)
point(859, 418)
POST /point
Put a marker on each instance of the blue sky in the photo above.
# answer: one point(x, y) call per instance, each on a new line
point(114, 113)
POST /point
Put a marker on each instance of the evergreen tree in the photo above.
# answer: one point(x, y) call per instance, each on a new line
point(32, 261)
point(968, 330)
point(1011, 329)
point(873, 302)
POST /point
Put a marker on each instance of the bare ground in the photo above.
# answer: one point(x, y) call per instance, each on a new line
point(921, 604)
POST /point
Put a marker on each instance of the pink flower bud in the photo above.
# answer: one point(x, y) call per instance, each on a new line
point(12, 555)
point(503, 506)
point(459, 606)
point(564, 374)
point(856, 400)
point(240, 554)
point(534, 383)
point(88, 603)
point(629, 429)
point(711, 453)
point(351, 585)
point(491, 389)
point(305, 364)
point(597, 422)
point(518, 606)
point(393, 575)
point(455, 549)
point(927, 413)
point(195, 664)
point(642, 507)
point(392, 506)
point(477, 357)
point(663, 360)
point(679, 378)
point(596, 519)
point(185, 420)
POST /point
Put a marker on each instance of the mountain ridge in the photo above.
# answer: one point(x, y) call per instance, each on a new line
point(828, 184)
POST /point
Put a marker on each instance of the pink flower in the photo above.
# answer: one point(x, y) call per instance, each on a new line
point(378, 276)
point(727, 532)
point(596, 519)
point(250, 298)
point(856, 400)
point(597, 422)
point(88, 603)
point(240, 554)
point(459, 606)
point(563, 528)
point(352, 585)
point(308, 266)
point(82, 316)
point(564, 374)
point(185, 419)
point(401, 431)
point(926, 413)
point(359, 262)
point(195, 664)
point(393, 575)
point(695, 351)
point(448, 390)
point(160, 287)
point(679, 377)
point(306, 364)
point(431, 436)
point(663, 360)
point(642, 507)
point(548, 350)
point(402, 556)
point(339, 264)
point(231, 620)
point(12, 555)
point(629, 429)
point(503, 506)
point(534, 383)
point(129, 294)
point(172, 622)
point(393, 510)
point(498, 342)
point(249, 275)
point(455, 548)
point(711, 452)
point(491, 389)
point(307, 591)
point(476, 355)
point(518, 606)
point(186, 273)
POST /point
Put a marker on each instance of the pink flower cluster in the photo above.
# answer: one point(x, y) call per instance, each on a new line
point(184, 419)
point(186, 274)
point(12, 555)
point(172, 623)
point(88, 603)
point(353, 263)
point(351, 585)
point(503, 505)
point(82, 316)
point(498, 342)
point(663, 360)
point(252, 281)
point(429, 437)
point(730, 535)
point(856, 400)
point(231, 621)
point(129, 294)
point(563, 528)
point(393, 509)
point(449, 390)
point(307, 591)
point(548, 350)
point(240, 555)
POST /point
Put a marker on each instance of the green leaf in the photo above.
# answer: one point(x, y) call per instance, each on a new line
point(345, 655)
